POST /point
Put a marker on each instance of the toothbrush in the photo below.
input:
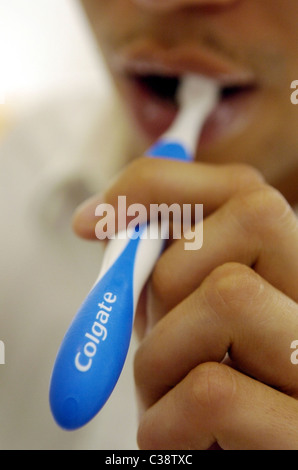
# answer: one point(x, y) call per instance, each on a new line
point(94, 349)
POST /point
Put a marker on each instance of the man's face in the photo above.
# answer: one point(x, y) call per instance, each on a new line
point(249, 46)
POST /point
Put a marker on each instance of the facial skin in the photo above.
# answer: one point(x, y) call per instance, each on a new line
point(216, 325)
point(252, 37)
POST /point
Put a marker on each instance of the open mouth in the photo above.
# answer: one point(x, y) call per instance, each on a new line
point(159, 86)
point(151, 75)
point(153, 99)
point(165, 87)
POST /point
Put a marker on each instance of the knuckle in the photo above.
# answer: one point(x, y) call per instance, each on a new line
point(143, 436)
point(212, 387)
point(229, 287)
point(259, 209)
point(136, 178)
point(143, 172)
point(149, 372)
point(147, 368)
point(147, 437)
point(245, 176)
point(268, 203)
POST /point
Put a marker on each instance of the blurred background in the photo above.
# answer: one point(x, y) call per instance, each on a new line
point(53, 90)
point(45, 47)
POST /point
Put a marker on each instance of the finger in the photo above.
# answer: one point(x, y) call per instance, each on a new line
point(257, 228)
point(155, 181)
point(215, 403)
point(234, 311)
point(140, 320)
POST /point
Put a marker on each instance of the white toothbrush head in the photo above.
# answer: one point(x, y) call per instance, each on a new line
point(198, 90)
point(197, 97)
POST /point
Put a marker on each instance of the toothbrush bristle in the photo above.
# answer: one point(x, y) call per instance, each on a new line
point(195, 87)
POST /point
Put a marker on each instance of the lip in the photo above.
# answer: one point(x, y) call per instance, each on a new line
point(153, 115)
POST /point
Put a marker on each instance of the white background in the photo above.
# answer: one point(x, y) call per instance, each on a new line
point(45, 45)
point(53, 81)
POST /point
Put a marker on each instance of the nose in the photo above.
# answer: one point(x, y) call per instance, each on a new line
point(172, 4)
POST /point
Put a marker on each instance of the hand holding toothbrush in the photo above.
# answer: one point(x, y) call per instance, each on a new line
point(215, 363)
point(93, 351)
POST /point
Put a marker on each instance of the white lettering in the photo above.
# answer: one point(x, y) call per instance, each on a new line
point(121, 235)
point(294, 355)
point(109, 297)
point(80, 366)
point(162, 212)
point(294, 95)
point(139, 212)
point(117, 460)
point(2, 353)
point(92, 338)
point(164, 220)
point(102, 316)
point(99, 332)
point(197, 233)
point(105, 227)
point(90, 349)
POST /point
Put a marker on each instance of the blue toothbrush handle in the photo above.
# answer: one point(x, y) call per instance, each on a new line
point(94, 349)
